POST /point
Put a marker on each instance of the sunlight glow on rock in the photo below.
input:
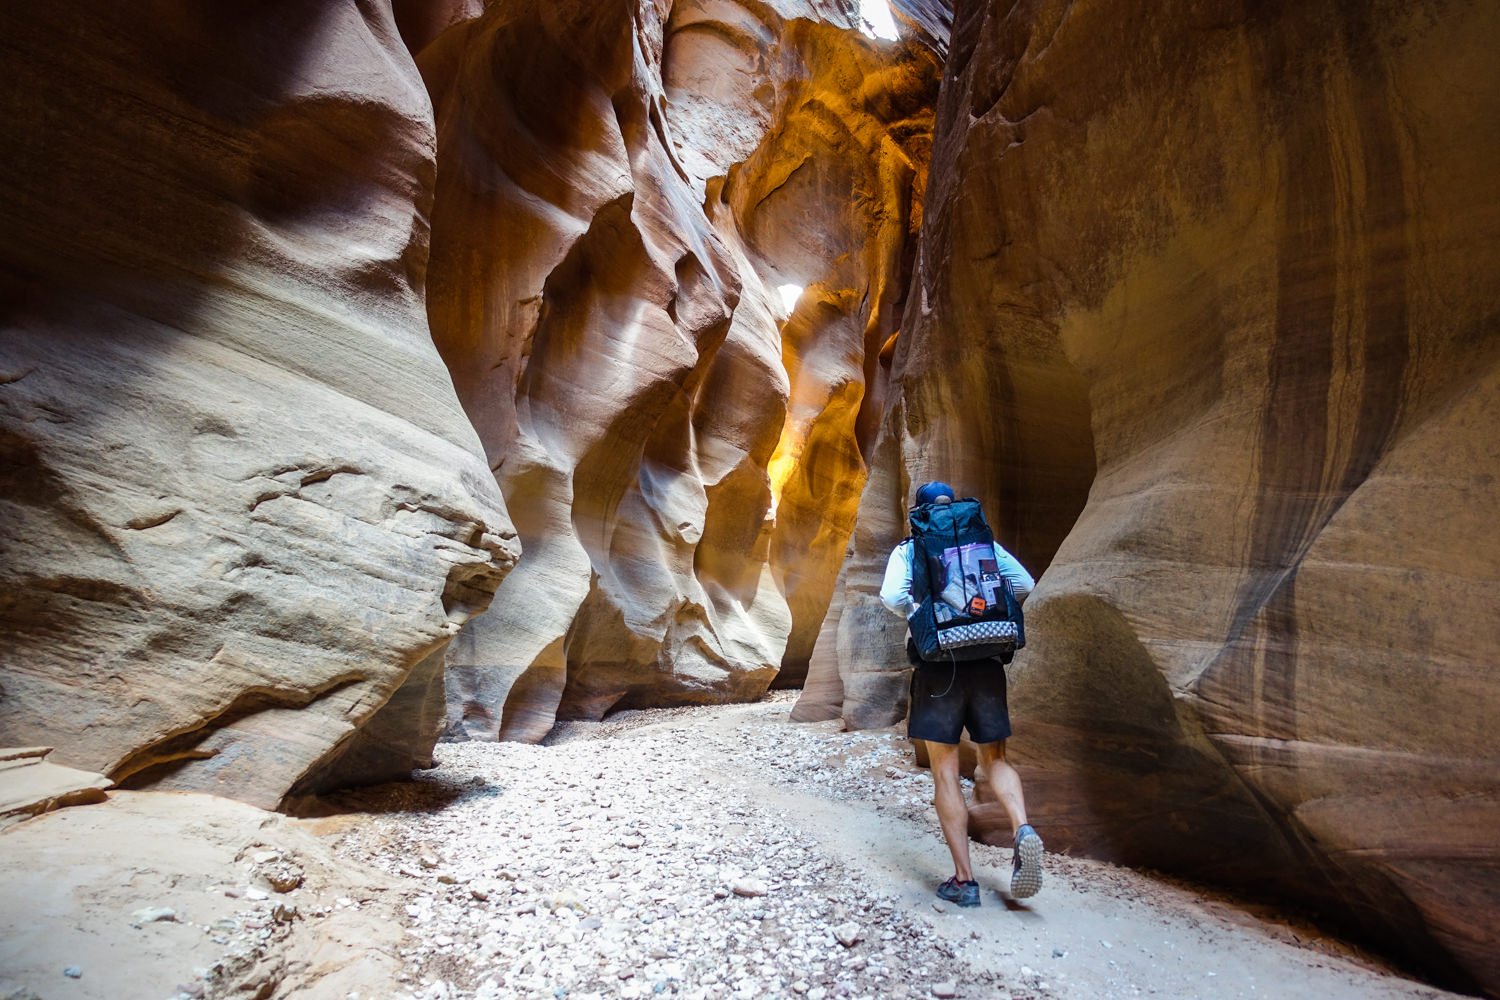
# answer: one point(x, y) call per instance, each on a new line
point(789, 296)
point(878, 22)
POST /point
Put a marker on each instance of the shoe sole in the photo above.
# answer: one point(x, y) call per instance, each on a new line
point(1026, 881)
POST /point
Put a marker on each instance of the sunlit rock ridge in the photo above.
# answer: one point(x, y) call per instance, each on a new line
point(1206, 312)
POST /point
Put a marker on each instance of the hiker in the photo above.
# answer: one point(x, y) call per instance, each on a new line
point(962, 687)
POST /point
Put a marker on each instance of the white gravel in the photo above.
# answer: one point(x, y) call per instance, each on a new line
point(623, 859)
point(727, 852)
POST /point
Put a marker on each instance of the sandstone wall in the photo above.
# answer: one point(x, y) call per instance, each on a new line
point(622, 188)
point(1219, 281)
point(241, 510)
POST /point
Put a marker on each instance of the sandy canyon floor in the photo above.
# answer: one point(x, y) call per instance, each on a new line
point(713, 852)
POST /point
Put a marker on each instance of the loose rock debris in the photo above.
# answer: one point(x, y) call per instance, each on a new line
point(728, 853)
point(707, 852)
point(623, 860)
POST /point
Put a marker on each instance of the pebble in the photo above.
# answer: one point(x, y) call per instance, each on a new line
point(748, 887)
point(73, 972)
point(283, 878)
point(945, 989)
point(153, 915)
point(847, 934)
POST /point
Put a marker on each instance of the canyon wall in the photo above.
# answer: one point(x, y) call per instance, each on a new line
point(624, 192)
point(241, 510)
point(1206, 312)
point(1203, 309)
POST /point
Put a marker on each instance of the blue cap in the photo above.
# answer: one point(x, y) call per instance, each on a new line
point(928, 492)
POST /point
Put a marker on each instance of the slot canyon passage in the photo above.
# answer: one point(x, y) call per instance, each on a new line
point(451, 451)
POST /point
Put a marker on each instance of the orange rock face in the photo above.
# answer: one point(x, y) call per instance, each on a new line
point(1220, 287)
point(241, 510)
point(623, 191)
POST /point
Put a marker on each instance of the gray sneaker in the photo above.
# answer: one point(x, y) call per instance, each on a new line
point(962, 893)
point(1026, 876)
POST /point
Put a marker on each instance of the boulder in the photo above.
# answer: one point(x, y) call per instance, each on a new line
point(31, 785)
point(241, 510)
point(1205, 313)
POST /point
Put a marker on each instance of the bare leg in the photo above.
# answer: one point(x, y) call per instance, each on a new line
point(1004, 781)
point(1026, 875)
point(953, 812)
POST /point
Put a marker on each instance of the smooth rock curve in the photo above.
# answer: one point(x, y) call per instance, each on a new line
point(241, 510)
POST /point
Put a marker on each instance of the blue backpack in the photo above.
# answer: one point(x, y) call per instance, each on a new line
point(966, 608)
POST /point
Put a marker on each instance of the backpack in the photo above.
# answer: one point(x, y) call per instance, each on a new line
point(966, 608)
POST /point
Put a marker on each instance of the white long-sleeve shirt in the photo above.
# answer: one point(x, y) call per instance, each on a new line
point(895, 590)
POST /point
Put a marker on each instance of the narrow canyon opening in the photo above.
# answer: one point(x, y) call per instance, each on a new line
point(373, 373)
point(668, 256)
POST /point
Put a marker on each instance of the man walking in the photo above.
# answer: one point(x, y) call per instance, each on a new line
point(950, 696)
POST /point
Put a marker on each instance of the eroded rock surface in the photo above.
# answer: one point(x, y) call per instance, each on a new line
point(241, 510)
point(1219, 285)
point(165, 894)
point(623, 190)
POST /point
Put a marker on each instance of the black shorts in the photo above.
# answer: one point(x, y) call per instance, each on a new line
point(947, 698)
